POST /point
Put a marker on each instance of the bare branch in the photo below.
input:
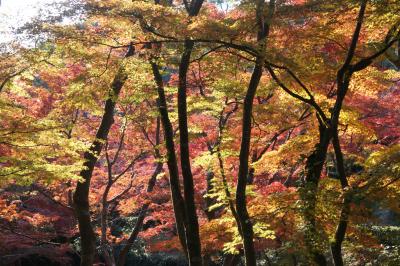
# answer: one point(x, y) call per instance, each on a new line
point(356, 34)
point(138, 157)
point(122, 193)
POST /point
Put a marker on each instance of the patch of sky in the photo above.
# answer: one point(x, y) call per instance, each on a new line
point(19, 17)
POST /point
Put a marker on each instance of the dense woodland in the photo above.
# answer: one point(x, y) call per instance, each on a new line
point(202, 133)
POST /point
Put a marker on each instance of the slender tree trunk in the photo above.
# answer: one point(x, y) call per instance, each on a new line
point(308, 193)
point(191, 222)
point(70, 194)
point(244, 219)
point(343, 81)
point(211, 214)
point(223, 120)
point(241, 204)
point(227, 192)
point(192, 225)
point(221, 127)
point(139, 222)
point(177, 199)
point(184, 208)
point(107, 252)
point(340, 233)
point(178, 202)
point(81, 195)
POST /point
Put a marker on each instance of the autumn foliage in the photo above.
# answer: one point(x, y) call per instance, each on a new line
point(204, 133)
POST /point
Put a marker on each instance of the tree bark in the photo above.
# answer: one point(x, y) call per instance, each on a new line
point(192, 225)
point(211, 214)
point(244, 219)
point(81, 195)
point(107, 252)
point(191, 222)
point(343, 81)
point(340, 233)
point(308, 193)
point(184, 208)
point(177, 199)
point(245, 223)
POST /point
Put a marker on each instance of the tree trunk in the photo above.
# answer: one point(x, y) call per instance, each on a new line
point(107, 252)
point(343, 81)
point(177, 199)
point(244, 219)
point(340, 233)
point(192, 225)
point(308, 193)
point(245, 224)
point(184, 208)
point(81, 195)
point(227, 192)
point(193, 243)
point(211, 214)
